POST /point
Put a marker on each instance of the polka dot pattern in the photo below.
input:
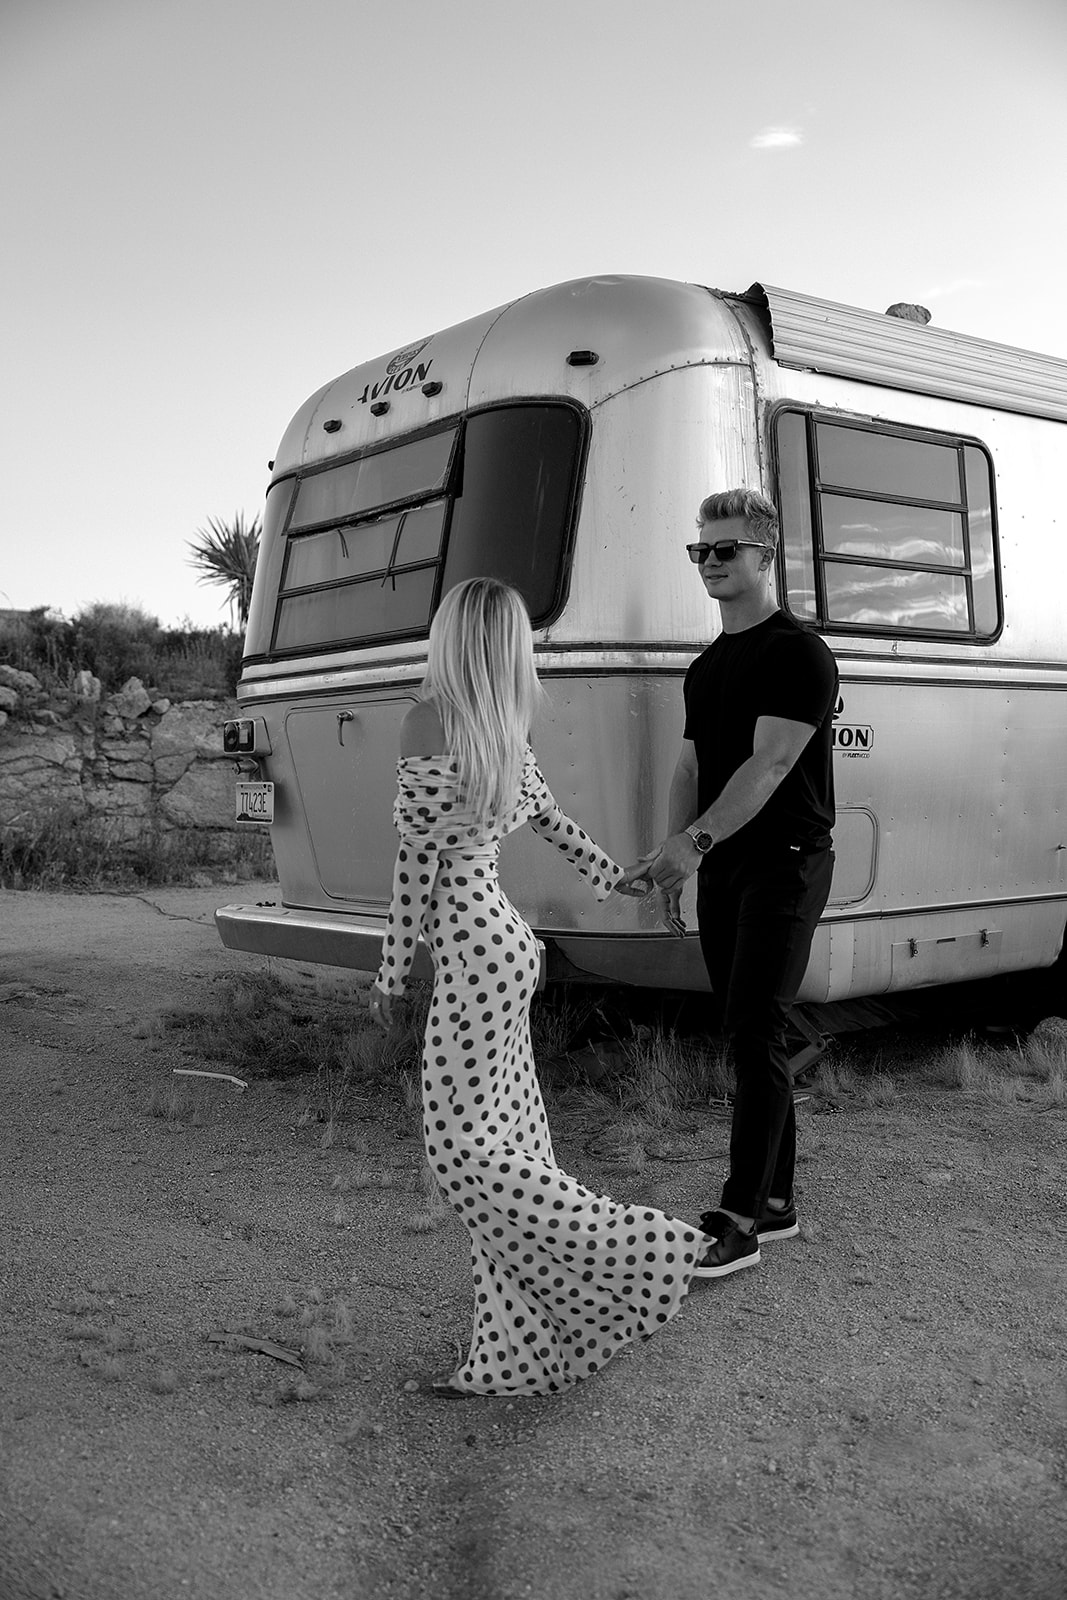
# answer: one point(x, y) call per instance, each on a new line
point(563, 1277)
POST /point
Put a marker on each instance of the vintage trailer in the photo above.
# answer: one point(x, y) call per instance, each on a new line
point(563, 443)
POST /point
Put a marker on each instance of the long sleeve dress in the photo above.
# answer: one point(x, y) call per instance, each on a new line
point(563, 1277)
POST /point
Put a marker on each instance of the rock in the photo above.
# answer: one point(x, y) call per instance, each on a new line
point(37, 771)
point(126, 806)
point(203, 797)
point(23, 683)
point(131, 701)
point(183, 733)
point(8, 698)
point(129, 772)
point(131, 769)
point(87, 686)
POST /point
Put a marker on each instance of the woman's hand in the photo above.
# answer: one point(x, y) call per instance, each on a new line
point(381, 1007)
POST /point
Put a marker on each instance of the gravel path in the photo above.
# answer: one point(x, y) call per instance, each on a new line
point(879, 1410)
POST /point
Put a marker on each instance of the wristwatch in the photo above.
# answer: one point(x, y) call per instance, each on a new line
point(701, 838)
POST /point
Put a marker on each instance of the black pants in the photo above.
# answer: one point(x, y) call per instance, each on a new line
point(757, 916)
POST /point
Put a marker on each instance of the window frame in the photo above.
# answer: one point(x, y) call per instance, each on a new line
point(818, 555)
point(396, 507)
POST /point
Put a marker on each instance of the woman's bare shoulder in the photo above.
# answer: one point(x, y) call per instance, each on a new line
point(421, 733)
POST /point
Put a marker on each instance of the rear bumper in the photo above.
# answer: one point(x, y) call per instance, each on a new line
point(323, 938)
point(342, 939)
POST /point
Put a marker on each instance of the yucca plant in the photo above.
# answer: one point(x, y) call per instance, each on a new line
point(225, 553)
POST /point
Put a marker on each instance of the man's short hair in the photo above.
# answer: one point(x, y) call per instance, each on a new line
point(755, 508)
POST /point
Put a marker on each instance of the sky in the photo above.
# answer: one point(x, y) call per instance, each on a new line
point(213, 207)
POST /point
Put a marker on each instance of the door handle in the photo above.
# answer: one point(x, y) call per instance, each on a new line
point(342, 718)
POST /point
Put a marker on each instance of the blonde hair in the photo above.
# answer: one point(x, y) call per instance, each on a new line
point(759, 512)
point(480, 675)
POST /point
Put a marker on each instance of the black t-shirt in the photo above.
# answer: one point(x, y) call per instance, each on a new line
point(776, 669)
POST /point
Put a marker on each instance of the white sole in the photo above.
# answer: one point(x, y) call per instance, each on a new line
point(724, 1272)
point(785, 1233)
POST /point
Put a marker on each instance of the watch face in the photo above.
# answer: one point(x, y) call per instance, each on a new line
point(702, 840)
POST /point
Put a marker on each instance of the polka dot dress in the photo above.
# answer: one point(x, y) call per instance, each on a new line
point(563, 1277)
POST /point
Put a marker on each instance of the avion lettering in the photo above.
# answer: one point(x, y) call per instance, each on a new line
point(853, 736)
point(396, 382)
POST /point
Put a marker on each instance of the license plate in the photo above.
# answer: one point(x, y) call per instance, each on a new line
point(255, 802)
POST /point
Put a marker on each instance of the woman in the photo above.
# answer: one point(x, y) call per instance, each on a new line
point(563, 1277)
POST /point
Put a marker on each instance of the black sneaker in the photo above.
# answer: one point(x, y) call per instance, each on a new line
point(778, 1224)
point(729, 1249)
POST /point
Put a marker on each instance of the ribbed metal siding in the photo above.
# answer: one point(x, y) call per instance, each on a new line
point(825, 337)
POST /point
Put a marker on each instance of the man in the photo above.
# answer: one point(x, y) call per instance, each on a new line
point(751, 809)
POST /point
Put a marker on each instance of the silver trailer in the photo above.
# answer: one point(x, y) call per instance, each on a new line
point(563, 443)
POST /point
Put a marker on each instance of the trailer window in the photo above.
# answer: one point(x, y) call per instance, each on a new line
point(886, 530)
point(372, 544)
point(382, 479)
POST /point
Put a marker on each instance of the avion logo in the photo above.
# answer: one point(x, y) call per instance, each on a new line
point(403, 372)
point(404, 358)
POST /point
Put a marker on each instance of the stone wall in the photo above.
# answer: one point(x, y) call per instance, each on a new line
point(133, 759)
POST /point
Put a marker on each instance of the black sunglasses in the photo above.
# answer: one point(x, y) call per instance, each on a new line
point(723, 549)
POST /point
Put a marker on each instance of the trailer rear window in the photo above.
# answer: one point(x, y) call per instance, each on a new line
point(886, 530)
point(373, 543)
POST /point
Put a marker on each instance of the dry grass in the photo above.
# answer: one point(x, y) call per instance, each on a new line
point(184, 1101)
point(435, 1210)
point(1033, 1072)
point(260, 1027)
point(62, 847)
point(629, 1096)
point(328, 1341)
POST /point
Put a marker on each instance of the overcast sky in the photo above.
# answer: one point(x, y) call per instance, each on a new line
point(212, 207)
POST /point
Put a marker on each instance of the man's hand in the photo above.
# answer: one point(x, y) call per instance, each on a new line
point(380, 1006)
point(670, 911)
point(636, 880)
point(639, 880)
point(675, 861)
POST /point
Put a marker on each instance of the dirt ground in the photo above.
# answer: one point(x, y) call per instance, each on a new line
point(878, 1410)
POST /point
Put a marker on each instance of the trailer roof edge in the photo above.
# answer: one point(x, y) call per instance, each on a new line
point(823, 336)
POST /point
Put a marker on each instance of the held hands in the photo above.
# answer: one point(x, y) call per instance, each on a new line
point(675, 862)
point(658, 873)
point(636, 881)
point(668, 867)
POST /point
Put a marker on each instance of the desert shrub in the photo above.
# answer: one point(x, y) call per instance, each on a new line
point(198, 663)
point(40, 642)
point(117, 642)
